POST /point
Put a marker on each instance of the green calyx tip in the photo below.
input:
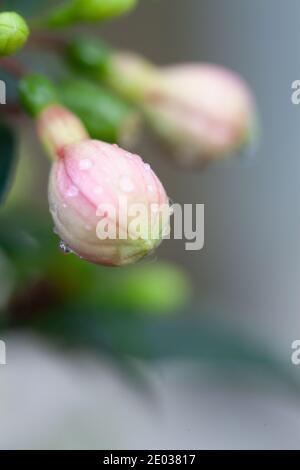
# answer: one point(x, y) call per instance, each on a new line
point(36, 93)
point(13, 33)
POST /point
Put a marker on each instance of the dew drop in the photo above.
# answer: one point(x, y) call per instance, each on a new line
point(147, 166)
point(150, 188)
point(85, 164)
point(72, 191)
point(64, 247)
point(126, 184)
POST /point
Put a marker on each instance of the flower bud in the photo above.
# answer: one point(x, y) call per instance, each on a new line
point(106, 203)
point(76, 11)
point(105, 116)
point(203, 112)
point(128, 74)
point(13, 33)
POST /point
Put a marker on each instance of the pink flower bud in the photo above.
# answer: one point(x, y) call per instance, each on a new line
point(203, 111)
point(95, 189)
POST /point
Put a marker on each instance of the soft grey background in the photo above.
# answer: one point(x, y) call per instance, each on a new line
point(251, 260)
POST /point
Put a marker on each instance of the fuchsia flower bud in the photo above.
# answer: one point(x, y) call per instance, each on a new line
point(107, 204)
point(203, 111)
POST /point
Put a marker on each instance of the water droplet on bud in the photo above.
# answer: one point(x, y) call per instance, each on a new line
point(72, 191)
point(126, 184)
point(64, 247)
point(85, 164)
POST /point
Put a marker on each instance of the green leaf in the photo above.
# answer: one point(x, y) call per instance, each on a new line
point(36, 92)
point(182, 338)
point(105, 116)
point(76, 11)
point(7, 159)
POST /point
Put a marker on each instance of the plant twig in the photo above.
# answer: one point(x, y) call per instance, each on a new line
point(44, 40)
point(12, 66)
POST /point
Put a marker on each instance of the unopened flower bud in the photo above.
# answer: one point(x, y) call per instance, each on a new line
point(129, 74)
point(76, 11)
point(107, 205)
point(13, 33)
point(105, 115)
point(204, 112)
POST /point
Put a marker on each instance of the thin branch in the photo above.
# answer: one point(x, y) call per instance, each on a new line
point(13, 109)
point(12, 66)
point(41, 40)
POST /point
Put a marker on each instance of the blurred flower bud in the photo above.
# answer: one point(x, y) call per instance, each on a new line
point(76, 11)
point(105, 116)
point(129, 74)
point(102, 201)
point(13, 33)
point(204, 112)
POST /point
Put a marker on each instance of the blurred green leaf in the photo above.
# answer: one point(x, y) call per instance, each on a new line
point(28, 241)
point(31, 245)
point(186, 337)
point(95, 311)
point(153, 289)
point(106, 116)
point(76, 11)
point(7, 159)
